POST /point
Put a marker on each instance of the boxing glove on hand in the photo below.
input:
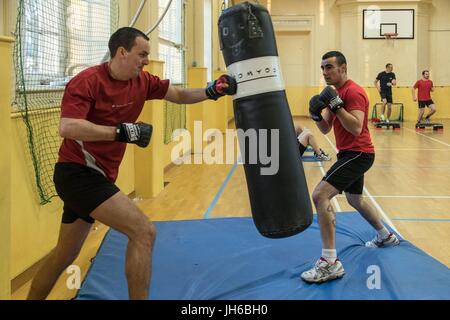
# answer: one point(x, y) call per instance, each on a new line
point(316, 105)
point(225, 85)
point(136, 133)
point(331, 98)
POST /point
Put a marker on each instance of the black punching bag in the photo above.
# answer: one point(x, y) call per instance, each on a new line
point(279, 196)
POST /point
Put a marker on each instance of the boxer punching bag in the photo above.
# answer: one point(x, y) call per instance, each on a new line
point(280, 201)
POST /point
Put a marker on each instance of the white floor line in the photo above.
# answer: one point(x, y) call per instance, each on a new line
point(408, 197)
point(424, 135)
point(377, 206)
point(383, 214)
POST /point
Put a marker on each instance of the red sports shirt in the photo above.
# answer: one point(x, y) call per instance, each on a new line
point(354, 98)
point(95, 96)
point(424, 89)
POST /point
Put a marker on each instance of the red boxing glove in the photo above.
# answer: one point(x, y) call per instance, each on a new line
point(225, 85)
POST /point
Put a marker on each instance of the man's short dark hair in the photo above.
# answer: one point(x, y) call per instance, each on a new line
point(340, 58)
point(124, 37)
point(389, 64)
point(423, 72)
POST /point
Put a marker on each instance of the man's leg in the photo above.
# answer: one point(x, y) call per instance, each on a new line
point(384, 238)
point(322, 196)
point(71, 239)
point(365, 209)
point(432, 111)
point(313, 143)
point(389, 111)
point(383, 108)
point(120, 213)
point(328, 267)
point(421, 112)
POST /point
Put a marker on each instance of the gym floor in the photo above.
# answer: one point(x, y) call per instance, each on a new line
point(408, 184)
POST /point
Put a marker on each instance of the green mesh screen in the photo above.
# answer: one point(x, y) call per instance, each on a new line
point(174, 118)
point(54, 41)
point(396, 114)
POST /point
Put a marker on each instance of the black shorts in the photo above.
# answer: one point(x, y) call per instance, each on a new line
point(302, 148)
point(386, 95)
point(425, 103)
point(82, 189)
point(347, 174)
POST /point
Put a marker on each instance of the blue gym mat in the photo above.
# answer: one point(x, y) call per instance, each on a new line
point(226, 258)
point(309, 159)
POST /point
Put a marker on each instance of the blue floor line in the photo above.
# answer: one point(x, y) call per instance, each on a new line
point(219, 193)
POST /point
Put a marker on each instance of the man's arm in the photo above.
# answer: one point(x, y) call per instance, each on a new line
point(351, 121)
point(185, 95)
point(376, 83)
point(327, 122)
point(84, 130)
point(393, 81)
point(224, 85)
point(413, 91)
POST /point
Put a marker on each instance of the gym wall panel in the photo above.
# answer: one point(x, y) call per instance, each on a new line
point(2, 18)
point(34, 228)
point(439, 33)
point(323, 33)
point(298, 98)
point(5, 167)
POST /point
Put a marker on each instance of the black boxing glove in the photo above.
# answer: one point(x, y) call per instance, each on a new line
point(330, 96)
point(316, 105)
point(136, 133)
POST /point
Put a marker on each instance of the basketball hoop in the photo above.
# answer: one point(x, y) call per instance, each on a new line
point(390, 35)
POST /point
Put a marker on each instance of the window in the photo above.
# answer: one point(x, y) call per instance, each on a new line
point(60, 38)
point(207, 39)
point(171, 41)
point(171, 51)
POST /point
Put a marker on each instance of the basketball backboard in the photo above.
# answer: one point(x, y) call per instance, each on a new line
point(377, 22)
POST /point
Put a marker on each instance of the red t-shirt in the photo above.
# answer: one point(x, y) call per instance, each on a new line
point(354, 98)
point(95, 96)
point(424, 89)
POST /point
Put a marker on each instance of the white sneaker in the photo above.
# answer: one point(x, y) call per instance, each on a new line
point(324, 271)
point(387, 120)
point(322, 156)
point(377, 242)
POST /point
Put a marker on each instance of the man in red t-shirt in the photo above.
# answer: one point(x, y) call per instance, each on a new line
point(98, 113)
point(345, 110)
point(424, 88)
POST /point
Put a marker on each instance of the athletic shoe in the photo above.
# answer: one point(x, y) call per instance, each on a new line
point(322, 157)
point(324, 271)
point(387, 120)
point(427, 120)
point(377, 242)
point(382, 117)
